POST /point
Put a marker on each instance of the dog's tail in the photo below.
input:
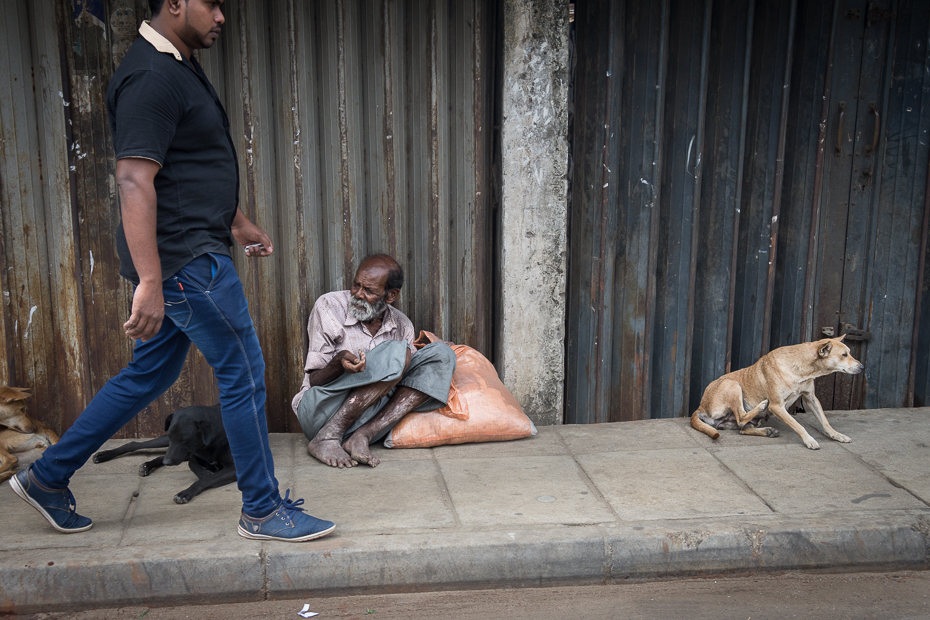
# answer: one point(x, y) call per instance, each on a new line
point(700, 425)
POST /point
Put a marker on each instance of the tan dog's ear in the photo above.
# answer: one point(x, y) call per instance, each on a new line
point(843, 337)
point(10, 394)
point(824, 351)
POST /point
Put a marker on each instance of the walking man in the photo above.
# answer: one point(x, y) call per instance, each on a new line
point(178, 180)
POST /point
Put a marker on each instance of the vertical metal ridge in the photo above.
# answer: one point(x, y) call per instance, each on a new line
point(445, 142)
point(807, 309)
point(866, 385)
point(744, 113)
point(696, 209)
point(433, 214)
point(779, 178)
point(387, 40)
point(479, 266)
point(347, 233)
point(649, 324)
point(248, 130)
point(294, 118)
point(297, 302)
point(599, 412)
point(921, 266)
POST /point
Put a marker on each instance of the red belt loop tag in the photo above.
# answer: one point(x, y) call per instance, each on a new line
point(180, 286)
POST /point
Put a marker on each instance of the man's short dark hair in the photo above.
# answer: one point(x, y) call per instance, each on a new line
point(155, 6)
point(395, 278)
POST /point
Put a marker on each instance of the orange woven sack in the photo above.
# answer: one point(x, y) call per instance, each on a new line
point(480, 408)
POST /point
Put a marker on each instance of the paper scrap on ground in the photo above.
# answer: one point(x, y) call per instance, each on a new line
point(306, 613)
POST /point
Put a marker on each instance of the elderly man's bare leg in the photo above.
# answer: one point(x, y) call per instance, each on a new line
point(404, 400)
point(326, 447)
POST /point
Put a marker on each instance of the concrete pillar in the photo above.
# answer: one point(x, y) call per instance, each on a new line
point(534, 150)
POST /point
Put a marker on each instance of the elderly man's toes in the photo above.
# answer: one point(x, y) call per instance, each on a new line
point(357, 446)
point(331, 453)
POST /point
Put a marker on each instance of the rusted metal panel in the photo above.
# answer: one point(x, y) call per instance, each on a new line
point(900, 224)
point(597, 55)
point(806, 145)
point(43, 322)
point(849, 226)
point(360, 127)
point(758, 214)
point(373, 121)
point(680, 208)
point(727, 109)
point(789, 234)
point(616, 163)
point(919, 382)
point(27, 308)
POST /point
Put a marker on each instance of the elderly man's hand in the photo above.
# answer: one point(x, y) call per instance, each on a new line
point(353, 364)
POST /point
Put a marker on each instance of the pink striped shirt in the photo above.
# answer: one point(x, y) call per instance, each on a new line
point(332, 329)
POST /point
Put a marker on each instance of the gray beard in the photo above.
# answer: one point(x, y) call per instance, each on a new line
point(363, 311)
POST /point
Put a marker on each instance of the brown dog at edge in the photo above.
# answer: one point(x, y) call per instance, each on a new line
point(24, 439)
point(774, 383)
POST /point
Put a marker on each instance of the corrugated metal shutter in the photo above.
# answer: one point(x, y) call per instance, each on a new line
point(700, 198)
point(360, 126)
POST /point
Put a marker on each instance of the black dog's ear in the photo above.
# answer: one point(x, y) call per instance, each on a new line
point(208, 432)
point(168, 421)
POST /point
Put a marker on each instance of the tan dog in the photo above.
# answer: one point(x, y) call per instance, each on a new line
point(13, 409)
point(24, 439)
point(774, 383)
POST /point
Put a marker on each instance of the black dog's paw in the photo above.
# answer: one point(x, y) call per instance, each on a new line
point(102, 457)
point(182, 498)
point(145, 469)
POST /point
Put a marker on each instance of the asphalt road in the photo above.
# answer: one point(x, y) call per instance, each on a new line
point(888, 596)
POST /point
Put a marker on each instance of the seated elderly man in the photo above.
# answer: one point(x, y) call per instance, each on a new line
point(362, 372)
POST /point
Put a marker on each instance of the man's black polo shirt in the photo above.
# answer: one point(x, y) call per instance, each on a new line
point(165, 109)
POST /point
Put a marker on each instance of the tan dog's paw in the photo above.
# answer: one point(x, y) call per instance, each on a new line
point(811, 443)
point(771, 432)
point(840, 437)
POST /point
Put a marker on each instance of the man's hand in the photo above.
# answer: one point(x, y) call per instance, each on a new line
point(343, 361)
point(248, 234)
point(353, 364)
point(148, 312)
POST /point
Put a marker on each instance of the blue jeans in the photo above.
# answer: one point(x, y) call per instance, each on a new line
point(205, 304)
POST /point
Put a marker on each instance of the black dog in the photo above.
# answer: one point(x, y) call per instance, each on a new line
point(196, 435)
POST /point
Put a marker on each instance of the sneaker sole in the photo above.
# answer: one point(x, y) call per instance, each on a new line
point(247, 534)
point(19, 490)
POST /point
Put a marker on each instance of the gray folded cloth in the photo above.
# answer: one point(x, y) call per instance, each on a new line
point(430, 372)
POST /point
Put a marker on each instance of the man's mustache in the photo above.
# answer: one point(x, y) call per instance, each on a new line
point(364, 311)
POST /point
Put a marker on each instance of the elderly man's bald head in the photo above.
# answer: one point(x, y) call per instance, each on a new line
point(394, 279)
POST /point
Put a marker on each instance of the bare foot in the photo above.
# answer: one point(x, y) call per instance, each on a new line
point(357, 446)
point(329, 451)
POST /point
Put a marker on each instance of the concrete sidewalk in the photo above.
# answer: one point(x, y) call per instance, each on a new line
point(601, 503)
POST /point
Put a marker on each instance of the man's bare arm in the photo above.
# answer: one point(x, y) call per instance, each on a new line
point(138, 206)
point(344, 361)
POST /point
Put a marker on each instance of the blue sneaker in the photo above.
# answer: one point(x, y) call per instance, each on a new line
point(56, 505)
point(287, 523)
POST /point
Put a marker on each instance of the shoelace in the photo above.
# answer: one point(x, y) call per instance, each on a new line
point(291, 506)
